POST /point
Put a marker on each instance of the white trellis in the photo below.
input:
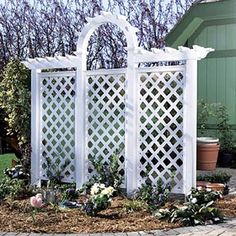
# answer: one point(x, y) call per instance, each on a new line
point(147, 113)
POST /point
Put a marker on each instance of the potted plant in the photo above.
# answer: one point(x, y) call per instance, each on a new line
point(207, 147)
point(226, 137)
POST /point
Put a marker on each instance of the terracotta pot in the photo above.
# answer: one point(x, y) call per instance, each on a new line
point(216, 187)
point(207, 154)
point(202, 184)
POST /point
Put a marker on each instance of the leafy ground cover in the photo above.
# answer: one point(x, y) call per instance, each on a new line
point(5, 162)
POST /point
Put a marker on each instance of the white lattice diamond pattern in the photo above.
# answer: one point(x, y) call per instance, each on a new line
point(106, 118)
point(57, 125)
point(161, 127)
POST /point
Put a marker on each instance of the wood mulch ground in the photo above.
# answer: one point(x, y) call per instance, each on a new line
point(227, 206)
point(16, 216)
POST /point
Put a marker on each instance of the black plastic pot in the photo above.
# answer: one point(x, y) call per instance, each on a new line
point(225, 159)
point(226, 190)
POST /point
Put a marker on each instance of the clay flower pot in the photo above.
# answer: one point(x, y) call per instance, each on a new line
point(202, 184)
point(207, 153)
point(216, 187)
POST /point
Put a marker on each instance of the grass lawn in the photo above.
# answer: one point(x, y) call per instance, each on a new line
point(5, 162)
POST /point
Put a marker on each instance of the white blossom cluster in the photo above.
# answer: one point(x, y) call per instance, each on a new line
point(102, 189)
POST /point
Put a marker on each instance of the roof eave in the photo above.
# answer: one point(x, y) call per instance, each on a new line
point(195, 16)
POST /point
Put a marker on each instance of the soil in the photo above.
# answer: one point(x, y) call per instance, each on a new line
point(16, 216)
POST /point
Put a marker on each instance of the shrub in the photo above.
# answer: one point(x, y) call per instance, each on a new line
point(197, 210)
point(54, 172)
point(204, 112)
point(223, 128)
point(107, 174)
point(134, 205)
point(218, 177)
point(202, 197)
point(14, 189)
point(154, 195)
point(71, 194)
point(15, 102)
point(218, 114)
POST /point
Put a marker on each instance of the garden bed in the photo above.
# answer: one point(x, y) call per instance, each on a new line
point(16, 216)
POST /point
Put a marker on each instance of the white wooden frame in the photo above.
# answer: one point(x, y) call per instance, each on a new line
point(135, 56)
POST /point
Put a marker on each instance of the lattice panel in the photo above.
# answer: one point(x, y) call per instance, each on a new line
point(57, 125)
point(160, 125)
point(106, 118)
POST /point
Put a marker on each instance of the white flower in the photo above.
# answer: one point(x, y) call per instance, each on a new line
point(194, 200)
point(102, 186)
point(108, 191)
point(94, 189)
point(208, 189)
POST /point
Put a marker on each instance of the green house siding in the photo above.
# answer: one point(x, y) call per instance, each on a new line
point(217, 83)
point(217, 74)
point(212, 25)
point(220, 37)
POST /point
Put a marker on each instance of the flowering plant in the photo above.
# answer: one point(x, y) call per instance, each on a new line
point(99, 199)
point(16, 172)
point(36, 202)
point(106, 173)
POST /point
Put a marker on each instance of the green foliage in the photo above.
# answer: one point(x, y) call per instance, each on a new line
point(205, 111)
point(15, 102)
point(5, 162)
point(154, 195)
point(220, 115)
point(54, 172)
point(134, 205)
point(218, 177)
point(70, 193)
point(5, 188)
point(202, 196)
point(223, 127)
point(107, 174)
point(14, 189)
point(197, 210)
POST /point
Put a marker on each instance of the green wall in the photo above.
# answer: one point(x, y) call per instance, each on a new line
point(217, 73)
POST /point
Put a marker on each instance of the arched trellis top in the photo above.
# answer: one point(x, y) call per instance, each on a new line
point(107, 17)
point(140, 54)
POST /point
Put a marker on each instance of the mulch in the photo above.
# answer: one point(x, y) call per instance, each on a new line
point(16, 216)
point(227, 206)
